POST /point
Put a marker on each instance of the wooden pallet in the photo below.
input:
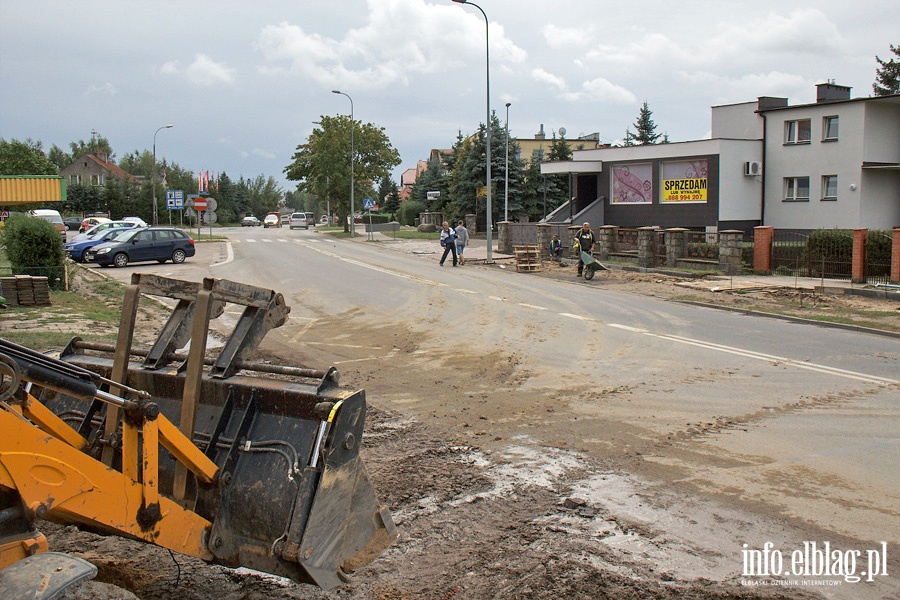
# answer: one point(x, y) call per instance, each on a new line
point(528, 258)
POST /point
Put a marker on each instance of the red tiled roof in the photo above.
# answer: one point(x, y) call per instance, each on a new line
point(114, 169)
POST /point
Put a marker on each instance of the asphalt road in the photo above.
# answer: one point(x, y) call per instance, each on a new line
point(790, 418)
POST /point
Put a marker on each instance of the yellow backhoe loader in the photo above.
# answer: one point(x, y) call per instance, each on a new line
point(236, 462)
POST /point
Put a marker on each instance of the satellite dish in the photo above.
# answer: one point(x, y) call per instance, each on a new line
point(562, 131)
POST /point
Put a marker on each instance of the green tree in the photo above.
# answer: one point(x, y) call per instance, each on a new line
point(392, 203)
point(887, 76)
point(554, 187)
point(97, 145)
point(264, 194)
point(24, 158)
point(432, 179)
point(59, 157)
point(84, 198)
point(467, 179)
point(533, 192)
point(322, 165)
point(384, 189)
point(645, 129)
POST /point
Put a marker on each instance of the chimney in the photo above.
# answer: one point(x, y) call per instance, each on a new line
point(831, 92)
point(540, 135)
point(770, 102)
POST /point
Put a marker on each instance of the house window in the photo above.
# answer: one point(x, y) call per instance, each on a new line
point(74, 179)
point(97, 179)
point(796, 189)
point(537, 154)
point(829, 187)
point(797, 132)
point(830, 129)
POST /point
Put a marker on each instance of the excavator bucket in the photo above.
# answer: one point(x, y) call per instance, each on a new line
point(285, 491)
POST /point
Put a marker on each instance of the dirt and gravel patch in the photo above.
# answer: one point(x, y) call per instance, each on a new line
point(485, 511)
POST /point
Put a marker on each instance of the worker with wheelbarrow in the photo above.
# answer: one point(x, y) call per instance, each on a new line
point(584, 246)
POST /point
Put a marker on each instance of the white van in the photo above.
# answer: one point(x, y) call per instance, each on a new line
point(51, 216)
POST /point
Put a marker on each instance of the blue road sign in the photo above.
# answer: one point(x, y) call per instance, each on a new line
point(175, 199)
point(368, 204)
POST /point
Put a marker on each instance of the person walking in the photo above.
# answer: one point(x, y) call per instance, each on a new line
point(448, 242)
point(462, 238)
point(585, 241)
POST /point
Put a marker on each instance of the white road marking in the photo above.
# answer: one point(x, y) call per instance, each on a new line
point(251, 240)
point(627, 328)
point(672, 338)
point(230, 258)
point(771, 358)
point(579, 317)
point(267, 241)
point(534, 306)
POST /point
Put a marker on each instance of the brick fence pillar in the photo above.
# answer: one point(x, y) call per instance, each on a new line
point(504, 239)
point(858, 269)
point(543, 239)
point(607, 235)
point(895, 256)
point(731, 245)
point(646, 257)
point(470, 223)
point(676, 245)
point(762, 248)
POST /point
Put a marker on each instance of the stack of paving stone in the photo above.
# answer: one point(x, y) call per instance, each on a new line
point(25, 290)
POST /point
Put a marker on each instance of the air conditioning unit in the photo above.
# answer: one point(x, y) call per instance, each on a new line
point(752, 168)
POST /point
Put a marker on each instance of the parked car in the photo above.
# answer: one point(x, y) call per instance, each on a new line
point(299, 219)
point(139, 221)
point(273, 219)
point(93, 231)
point(91, 221)
point(76, 249)
point(142, 245)
point(72, 223)
point(250, 221)
point(52, 217)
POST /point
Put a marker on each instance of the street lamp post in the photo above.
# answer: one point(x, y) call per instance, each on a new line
point(153, 175)
point(352, 161)
point(506, 203)
point(487, 125)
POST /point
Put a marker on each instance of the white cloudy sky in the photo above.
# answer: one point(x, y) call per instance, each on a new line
point(242, 81)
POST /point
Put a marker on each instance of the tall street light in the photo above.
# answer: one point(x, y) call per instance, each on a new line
point(506, 204)
point(352, 161)
point(487, 126)
point(153, 175)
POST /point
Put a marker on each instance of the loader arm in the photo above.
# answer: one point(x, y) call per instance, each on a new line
point(211, 457)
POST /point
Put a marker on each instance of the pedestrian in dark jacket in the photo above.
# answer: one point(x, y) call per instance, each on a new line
point(448, 242)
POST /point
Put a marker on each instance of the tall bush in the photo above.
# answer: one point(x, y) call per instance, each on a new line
point(409, 212)
point(34, 247)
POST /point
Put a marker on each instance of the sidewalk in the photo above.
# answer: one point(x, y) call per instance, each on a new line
point(476, 252)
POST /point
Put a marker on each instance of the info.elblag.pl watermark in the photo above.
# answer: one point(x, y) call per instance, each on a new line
point(815, 564)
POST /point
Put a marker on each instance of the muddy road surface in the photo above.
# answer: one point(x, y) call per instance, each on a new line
point(632, 468)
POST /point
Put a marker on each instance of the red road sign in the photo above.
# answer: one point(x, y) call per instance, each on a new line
point(200, 204)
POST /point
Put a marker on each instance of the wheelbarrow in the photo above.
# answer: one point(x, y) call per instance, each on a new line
point(591, 265)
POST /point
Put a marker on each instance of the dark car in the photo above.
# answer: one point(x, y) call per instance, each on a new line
point(72, 223)
point(76, 248)
point(142, 245)
point(250, 221)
